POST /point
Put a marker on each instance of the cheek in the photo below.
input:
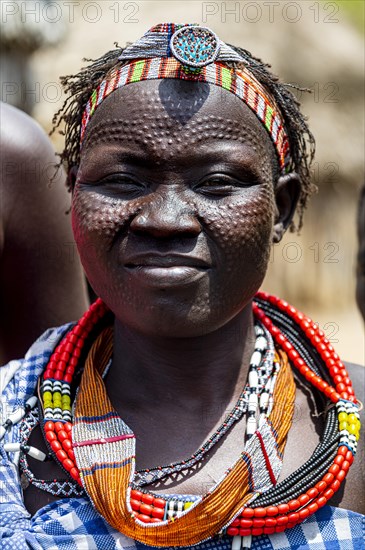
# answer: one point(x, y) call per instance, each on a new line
point(97, 221)
point(243, 229)
point(96, 217)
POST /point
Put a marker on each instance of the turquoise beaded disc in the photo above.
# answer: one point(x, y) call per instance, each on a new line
point(195, 46)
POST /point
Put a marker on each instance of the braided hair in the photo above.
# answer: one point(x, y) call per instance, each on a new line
point(79, 88)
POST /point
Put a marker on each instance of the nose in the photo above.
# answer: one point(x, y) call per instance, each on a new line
point(166, 215)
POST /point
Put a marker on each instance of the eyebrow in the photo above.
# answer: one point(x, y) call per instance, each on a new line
point(217, 150)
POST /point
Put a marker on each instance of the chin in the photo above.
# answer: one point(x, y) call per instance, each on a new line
point(167, 320)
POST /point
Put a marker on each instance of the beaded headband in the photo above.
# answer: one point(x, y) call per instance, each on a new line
point(190, 52)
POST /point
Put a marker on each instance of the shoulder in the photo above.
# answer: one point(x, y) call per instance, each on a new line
point(42, 282)
point(19, 377)
point(354, 494)
point(28, 164)
point(28, 171)
point(20, 133)
point(357, 375)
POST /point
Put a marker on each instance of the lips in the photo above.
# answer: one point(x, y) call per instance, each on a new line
point(166, 270)
point(166, 261)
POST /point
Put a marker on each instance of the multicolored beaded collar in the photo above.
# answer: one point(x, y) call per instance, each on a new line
point(157, 521)
point(190, 52)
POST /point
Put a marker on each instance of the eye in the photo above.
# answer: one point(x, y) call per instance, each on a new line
point(122, 184)
point(220, 185)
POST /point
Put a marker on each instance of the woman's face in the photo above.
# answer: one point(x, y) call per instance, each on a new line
point(173, 206)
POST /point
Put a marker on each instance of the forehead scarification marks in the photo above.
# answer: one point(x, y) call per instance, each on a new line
point(149, 114)
point(158, 135)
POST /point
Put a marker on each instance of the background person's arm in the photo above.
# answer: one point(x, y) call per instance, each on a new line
point(41, 279)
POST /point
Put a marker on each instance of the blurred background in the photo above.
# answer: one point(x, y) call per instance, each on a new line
point(316, 44)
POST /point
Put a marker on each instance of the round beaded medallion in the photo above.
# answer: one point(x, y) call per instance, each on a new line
point(195, 46)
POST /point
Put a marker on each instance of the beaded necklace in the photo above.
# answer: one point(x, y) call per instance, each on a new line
point(262, 375)
point(259, 388)
point(105, 453)
point(57, 487)
point(290, 501)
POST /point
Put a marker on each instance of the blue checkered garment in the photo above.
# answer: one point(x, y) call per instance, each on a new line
point(73, 523)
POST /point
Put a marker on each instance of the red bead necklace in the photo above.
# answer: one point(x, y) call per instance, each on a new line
point(343, 386)
point(252, 521)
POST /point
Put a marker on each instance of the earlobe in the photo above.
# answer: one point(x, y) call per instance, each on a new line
point(71, 177)
point(287, 192)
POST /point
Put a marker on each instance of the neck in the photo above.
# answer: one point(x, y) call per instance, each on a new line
point(198, 372)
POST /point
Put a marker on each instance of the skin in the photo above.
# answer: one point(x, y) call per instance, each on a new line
point(360, 271)
point(41, 279)
point(174, 169)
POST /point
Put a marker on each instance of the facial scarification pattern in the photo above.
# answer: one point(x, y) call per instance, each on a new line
point(178, 122)
point(233, 230)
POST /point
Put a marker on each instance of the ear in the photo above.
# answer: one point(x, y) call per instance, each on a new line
point(71, 177)
point(287, 191)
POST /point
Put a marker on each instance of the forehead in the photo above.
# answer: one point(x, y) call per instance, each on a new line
point(181, 111)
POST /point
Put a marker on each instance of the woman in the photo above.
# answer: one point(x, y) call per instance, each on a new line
point(186, 160)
